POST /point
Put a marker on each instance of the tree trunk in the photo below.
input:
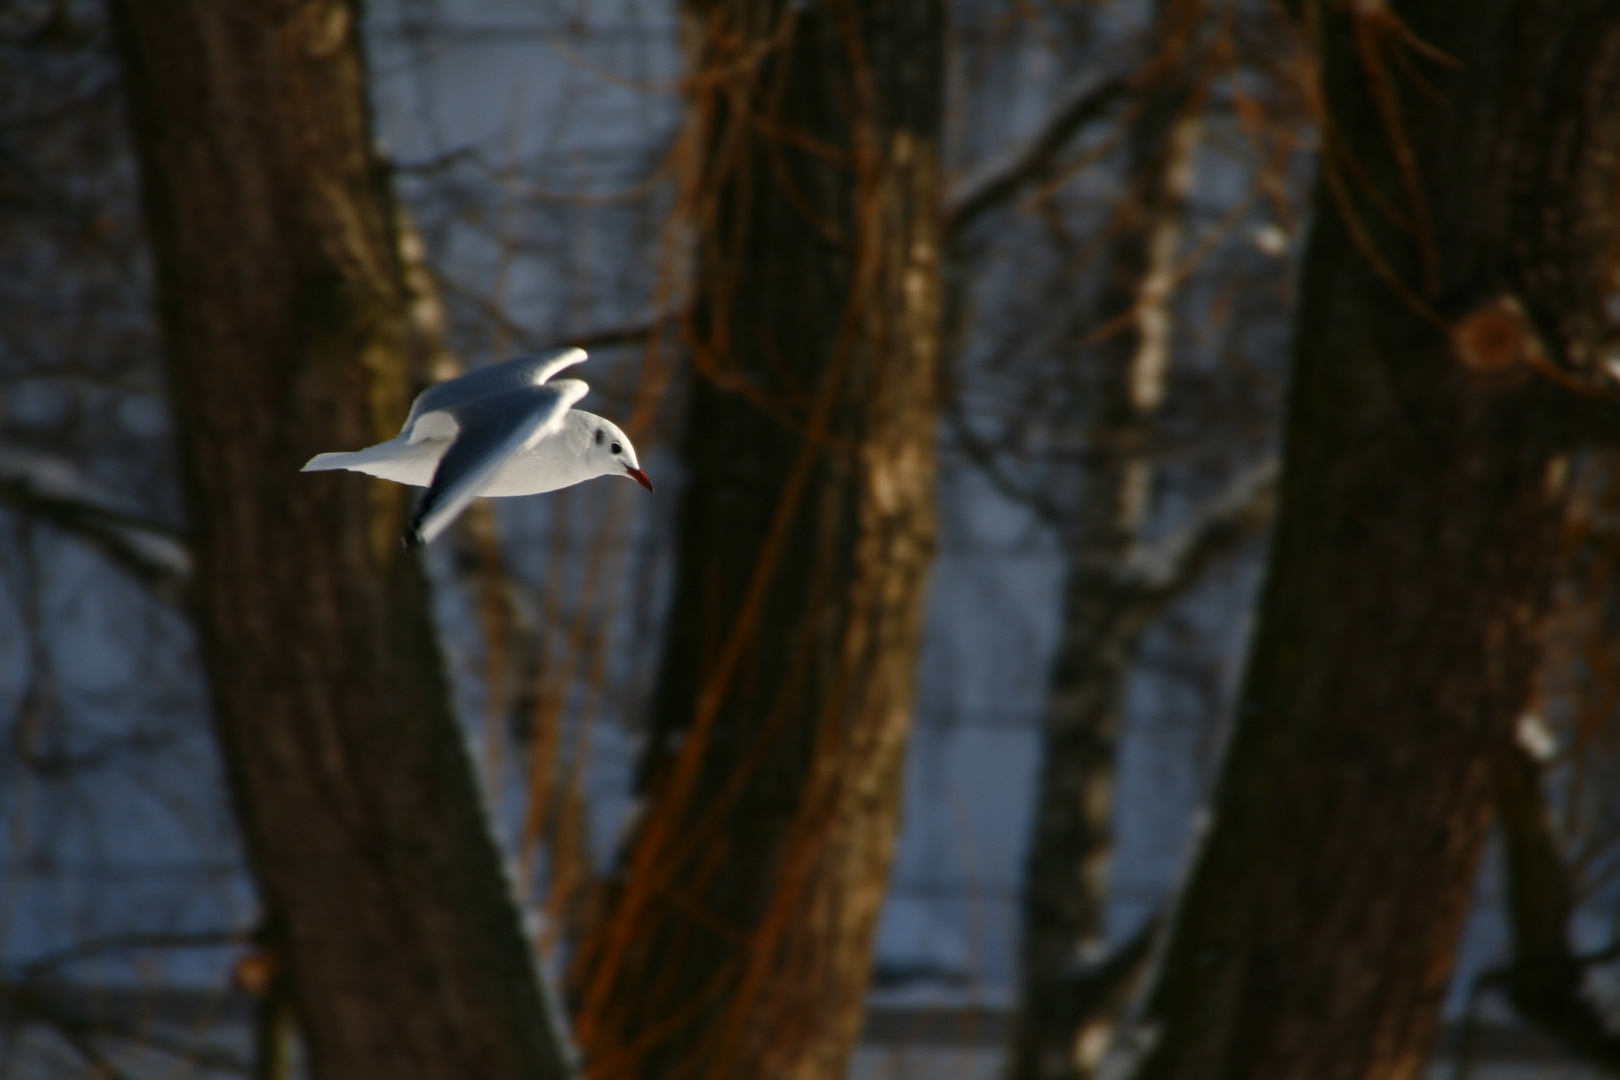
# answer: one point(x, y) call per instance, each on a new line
point(1464, 236)
point(737, 943)
point(283, 309)
point(1104, 614)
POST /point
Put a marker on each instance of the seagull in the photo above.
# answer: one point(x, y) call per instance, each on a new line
point(502, 430)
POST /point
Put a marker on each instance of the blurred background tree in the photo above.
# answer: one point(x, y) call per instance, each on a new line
point(1118, 196)
point(286, 329)
point(738, 924)
point(1446, 362)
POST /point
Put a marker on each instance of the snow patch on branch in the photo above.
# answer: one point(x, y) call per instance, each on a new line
point(57, 491)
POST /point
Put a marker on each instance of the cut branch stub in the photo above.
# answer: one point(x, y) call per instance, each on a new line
point(1496, 337)
point(1499, 338)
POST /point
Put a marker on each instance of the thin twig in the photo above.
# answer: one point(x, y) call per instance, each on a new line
point(1086, 100)
point(1162, 571)
point(526, 339)
point(74, 1031)
point(45, 488)
point(131, 942)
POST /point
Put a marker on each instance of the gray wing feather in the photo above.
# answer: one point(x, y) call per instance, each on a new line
point(492, 429)
point(519, 374)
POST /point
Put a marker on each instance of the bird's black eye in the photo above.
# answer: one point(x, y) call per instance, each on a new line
point(616, 448)
point(599, 436)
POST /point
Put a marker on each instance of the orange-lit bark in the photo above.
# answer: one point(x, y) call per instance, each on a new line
point(737, 944)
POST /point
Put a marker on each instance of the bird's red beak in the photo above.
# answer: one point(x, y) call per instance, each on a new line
point(639, 477)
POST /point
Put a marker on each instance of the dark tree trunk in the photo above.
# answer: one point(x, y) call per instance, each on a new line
point(282, 305)
point(1464, 234)
point(738, 940)
point(1104, 606)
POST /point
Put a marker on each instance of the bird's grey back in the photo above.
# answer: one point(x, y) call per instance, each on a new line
point(525, 371)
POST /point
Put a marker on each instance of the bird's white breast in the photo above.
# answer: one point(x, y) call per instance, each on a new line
point(531, 472)
point(557, 461)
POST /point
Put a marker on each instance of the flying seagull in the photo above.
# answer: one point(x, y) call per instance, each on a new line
point(502, 430)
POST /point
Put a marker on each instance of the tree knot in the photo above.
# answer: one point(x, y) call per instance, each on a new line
point(1496, 336)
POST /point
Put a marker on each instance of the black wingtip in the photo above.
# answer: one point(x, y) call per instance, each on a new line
point(411, 538)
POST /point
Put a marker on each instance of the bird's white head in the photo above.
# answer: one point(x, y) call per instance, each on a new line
point(610, 453)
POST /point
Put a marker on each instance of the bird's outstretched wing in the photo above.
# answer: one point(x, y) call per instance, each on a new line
point(519, 374)
point(490, 429)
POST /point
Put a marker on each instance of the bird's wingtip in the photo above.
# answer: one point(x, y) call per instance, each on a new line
point(412, 537)
point(325, 462)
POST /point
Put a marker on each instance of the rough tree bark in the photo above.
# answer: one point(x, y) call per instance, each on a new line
point(1105, 608)
point(285, 324)
point(1546, 978)
point(1451, 299)
point(737, 943)
point(1551, 790)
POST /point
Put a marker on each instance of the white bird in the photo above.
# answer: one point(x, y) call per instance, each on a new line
point(501, 430)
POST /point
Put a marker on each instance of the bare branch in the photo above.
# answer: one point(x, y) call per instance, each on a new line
point(528, 339)
point(984, 457)
point(130, 942)
point(624, 335)
point(521, 335)
point(81, 1031)
point(1096, 993)
point(438, 163)
point(75, 1031)
point(1162, 570)
point(55, 491)
point(1086, 100)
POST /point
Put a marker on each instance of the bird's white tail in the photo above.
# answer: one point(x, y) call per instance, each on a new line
point(394, 460)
